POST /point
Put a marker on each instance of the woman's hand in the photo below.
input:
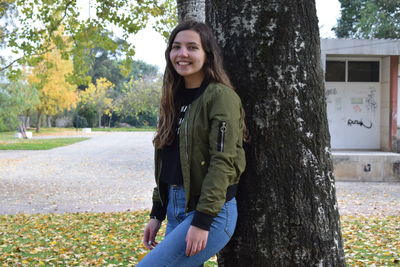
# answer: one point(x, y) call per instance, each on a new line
point(150, 233)
point(196, 240)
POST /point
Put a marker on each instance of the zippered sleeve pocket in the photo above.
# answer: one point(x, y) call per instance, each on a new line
point(221, 136)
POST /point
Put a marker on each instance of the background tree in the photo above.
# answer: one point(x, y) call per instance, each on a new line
point(39, 21)
point(368, 19)
point(286, 200)
point(143, 70)
point(97, 96)
point(7, 12)
point(56, 92)
point(16, 99)
point(139, 105)
point(108, 65)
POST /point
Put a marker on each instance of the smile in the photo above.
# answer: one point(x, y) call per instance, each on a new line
point(181, 63)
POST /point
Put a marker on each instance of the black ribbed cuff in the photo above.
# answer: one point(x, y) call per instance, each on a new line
point(158, 211)
point(202, 220)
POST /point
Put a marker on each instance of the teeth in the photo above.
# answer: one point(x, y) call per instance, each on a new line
point(183, 63)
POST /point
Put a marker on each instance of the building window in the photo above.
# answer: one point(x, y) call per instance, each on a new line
point(335, 71)
point(363, 71)
point(352, 71)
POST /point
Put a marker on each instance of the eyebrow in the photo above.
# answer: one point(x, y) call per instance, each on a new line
point(189, 43)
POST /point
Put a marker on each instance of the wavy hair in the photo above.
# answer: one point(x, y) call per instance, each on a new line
point(213, 72)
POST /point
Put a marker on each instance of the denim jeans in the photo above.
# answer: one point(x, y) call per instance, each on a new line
point(171, 251)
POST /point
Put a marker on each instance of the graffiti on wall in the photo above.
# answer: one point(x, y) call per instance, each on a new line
point(360, 123)
point(332, 91)
point(371, 101)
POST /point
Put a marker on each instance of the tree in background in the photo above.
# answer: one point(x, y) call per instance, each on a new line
point(7, 13)
point(90, 42)
point(97, 96)
point(108, 65)
point(368, 19)
point(51, 79)
point(39, 21)
point(16, 99)
point(143, 70)
point(140, 101)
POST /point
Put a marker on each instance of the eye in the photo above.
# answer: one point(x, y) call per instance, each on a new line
point(175, 47)
point(193, 47)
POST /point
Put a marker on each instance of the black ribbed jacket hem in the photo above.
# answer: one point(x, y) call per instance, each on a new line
point(158, 211)
point(202, 220)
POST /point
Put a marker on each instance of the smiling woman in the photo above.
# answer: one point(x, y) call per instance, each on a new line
point(199, 155)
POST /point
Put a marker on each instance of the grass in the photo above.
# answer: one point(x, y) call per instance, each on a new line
point(6, 136)
point(114, 239)
point(37, 144)
point(9, 142)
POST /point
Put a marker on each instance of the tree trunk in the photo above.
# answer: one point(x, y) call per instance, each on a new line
point(48, 118)
point(109, 120)
point(288, 213)
point(22, 130)
point(99, 118)
point(191, 9)
point(27, 119)
point(39, 119)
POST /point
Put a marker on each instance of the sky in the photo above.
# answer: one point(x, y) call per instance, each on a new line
point(150, 46)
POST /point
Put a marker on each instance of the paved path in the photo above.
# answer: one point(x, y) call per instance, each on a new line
point(109, 172)
point(368, 198)
point(114, 172)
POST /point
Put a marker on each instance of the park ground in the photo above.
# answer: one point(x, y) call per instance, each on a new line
point(109, 178)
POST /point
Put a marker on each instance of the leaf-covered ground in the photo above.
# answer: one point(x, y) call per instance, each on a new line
point(114, 239)
point(371, 241)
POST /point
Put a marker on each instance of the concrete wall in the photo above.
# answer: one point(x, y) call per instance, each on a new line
point(398, 96)
point(385, 104)
point(360, 47)
point(366, 166)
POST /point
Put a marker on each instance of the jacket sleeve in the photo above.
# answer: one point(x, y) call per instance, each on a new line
point(225, 132)
point(158, 211)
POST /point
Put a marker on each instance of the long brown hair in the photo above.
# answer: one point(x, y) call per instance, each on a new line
point(213, 72)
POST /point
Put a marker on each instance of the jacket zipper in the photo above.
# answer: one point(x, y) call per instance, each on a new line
point(186, 129)
point(221, 136)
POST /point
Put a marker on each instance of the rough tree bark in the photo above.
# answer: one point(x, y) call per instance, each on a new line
point(288, 214)
point(191, 9)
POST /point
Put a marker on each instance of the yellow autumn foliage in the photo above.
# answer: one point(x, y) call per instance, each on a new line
point(98, 96)
point(50, 78)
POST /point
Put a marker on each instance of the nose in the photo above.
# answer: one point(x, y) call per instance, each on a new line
point(183, 52)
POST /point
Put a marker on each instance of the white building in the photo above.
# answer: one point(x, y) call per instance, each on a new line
point(362, 84)
point(361, 88)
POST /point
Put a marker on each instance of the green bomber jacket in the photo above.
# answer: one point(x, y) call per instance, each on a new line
point(211, 154)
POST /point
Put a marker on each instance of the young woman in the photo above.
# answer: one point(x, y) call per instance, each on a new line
point(199, 155)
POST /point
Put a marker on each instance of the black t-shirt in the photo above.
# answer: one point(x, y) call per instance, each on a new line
point(171, 172)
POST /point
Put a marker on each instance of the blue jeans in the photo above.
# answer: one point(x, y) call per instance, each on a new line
point(171, 251)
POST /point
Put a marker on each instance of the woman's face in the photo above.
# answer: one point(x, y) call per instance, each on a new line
point(187, 57)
